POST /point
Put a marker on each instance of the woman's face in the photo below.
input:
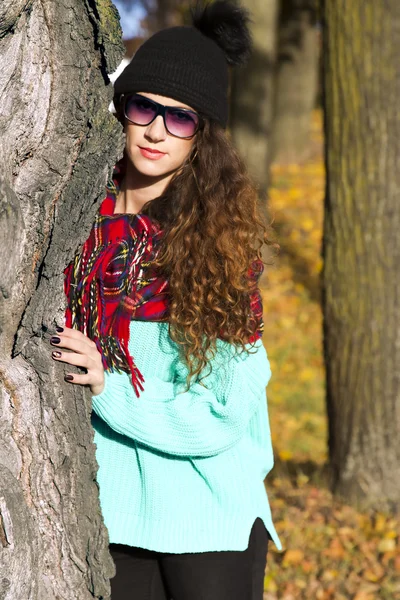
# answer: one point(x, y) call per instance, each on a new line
point(151, 149)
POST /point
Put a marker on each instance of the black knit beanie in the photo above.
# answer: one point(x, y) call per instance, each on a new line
point(190, 64)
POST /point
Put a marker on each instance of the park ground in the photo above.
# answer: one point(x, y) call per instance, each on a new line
point(331, 551)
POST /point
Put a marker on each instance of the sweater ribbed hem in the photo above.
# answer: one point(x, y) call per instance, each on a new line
point(187, 536)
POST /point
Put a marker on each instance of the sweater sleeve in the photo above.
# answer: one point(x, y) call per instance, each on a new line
point(202, 421)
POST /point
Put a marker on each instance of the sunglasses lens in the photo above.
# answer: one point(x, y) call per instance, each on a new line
point(140, 110)
point(181, 123)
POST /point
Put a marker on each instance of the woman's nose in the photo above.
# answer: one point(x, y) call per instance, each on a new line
point(156, 130)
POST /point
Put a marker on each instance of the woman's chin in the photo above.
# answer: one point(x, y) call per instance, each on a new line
point(149, 169)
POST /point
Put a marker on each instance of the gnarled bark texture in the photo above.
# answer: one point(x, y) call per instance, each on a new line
point(361, 278)
point(58, 142)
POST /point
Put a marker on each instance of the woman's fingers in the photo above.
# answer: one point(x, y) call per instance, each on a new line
point(77, 343)
point(72, 358)
point(83, 353)
point(96, 386)
point(81, 378)
point(72, 333)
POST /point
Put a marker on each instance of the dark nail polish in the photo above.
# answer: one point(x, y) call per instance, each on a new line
point(56, 354)
point(55, 339)
point(59, 329)
point(69, 378)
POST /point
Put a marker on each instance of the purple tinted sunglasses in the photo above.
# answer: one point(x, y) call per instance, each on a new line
point(179, 122)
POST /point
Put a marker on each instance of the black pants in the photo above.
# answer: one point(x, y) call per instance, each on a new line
point(234, 575)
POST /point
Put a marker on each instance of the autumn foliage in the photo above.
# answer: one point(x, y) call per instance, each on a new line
point(331, 551)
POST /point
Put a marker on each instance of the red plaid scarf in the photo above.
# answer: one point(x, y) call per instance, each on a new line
point(111, 281)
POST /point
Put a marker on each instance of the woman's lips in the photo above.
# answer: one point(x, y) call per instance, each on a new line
point(150, 153)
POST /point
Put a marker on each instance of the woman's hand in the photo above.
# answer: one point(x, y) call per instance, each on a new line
point(83, 353)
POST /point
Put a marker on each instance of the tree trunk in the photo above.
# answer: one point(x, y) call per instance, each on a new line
point(361, 277)
point(58, 143)
point(296, 80)
point(252, 94)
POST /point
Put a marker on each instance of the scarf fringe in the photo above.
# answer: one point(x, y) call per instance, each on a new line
point(100, 309)
point(111, 281)
point(116, 357)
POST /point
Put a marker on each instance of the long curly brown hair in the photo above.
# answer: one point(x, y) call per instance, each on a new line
point(213, 233)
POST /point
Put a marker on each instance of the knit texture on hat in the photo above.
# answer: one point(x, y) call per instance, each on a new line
point(190, 64)
point(183, 64)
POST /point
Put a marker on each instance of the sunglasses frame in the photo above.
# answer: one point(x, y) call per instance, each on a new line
point(161, 110)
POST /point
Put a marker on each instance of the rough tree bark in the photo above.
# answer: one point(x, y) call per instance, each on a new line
point(296, 80)
point(58, 142)
point(361, 278)
point(252, 94)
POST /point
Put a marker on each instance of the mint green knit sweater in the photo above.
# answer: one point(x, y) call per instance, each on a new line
point(183, 471)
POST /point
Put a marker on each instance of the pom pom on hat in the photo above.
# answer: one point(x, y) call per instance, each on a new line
point(227, 25)
point(191, 64)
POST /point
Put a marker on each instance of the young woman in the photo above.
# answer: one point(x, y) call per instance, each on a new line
point(164, 314)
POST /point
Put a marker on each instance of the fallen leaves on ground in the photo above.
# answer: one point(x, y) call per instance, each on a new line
point(331, 551)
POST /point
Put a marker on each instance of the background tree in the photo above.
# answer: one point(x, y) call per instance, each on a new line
point(361, 277)
point(164, 13)
point(252, 94)
point(159, 14)
point(296, 80)
point(58, 143)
